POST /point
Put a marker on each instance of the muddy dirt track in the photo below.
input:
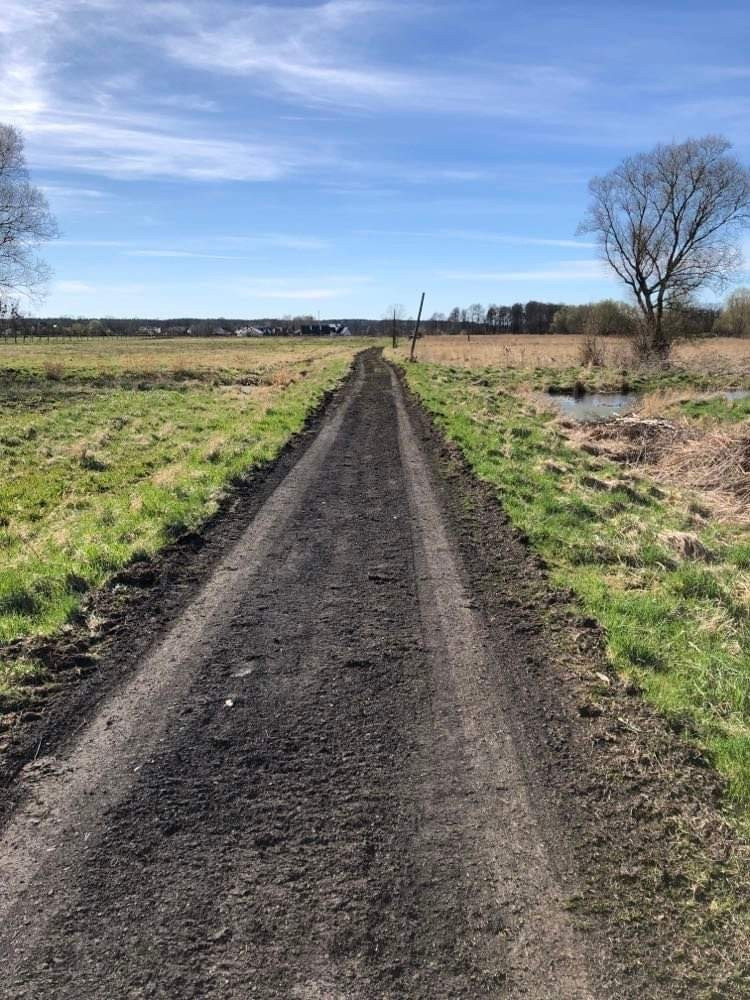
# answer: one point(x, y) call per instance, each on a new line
point(334, 775)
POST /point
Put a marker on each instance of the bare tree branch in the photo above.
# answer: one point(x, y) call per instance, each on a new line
point(25, 221)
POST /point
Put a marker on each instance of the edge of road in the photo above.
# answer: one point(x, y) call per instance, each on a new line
point(136, 608)
point(663, 872)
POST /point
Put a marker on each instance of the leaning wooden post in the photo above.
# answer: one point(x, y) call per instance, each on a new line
point(416, 330)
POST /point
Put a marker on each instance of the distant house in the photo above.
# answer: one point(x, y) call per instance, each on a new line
point(250, 331)
point(324, 330)
point(149, 331)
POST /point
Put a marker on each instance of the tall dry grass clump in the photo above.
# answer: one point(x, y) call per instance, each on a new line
point(518, 350)
point(591, 351)
point(717, 462)
point(714, 462)
point(717, 355)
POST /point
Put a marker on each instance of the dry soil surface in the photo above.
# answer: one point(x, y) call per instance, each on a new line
point(336, 771)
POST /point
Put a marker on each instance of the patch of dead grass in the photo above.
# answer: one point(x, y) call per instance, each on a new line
point(169, 475)
point(686, 545)
point(714, 356)
point(712, 461)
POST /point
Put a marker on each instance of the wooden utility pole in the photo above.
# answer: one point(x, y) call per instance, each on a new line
point(416, 330)
point(395, 335)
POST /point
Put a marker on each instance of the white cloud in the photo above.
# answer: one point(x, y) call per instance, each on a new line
point(313, 294)
point(318, 287)
point(91, 243)
point(187, 102)
point(72, 287)
point(315, 55)
point(572, 270)
point(125, 150)
point(282, 240)
point(530, 241)
point(480, 237)
point(199, 248)
point(61, 191)
point(97, 134)
point(178, 254)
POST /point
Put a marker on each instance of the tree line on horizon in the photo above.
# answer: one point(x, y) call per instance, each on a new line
point(607, 317)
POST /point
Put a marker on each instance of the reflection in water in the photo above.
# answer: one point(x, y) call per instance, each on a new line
point(595, 406)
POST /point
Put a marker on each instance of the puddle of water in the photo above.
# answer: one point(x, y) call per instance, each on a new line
point(595, 406)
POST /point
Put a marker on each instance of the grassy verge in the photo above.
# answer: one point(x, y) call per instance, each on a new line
point(718, 409)
point(676, 616)
point(104, 459)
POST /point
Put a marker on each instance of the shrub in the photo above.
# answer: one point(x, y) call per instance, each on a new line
point(591, 351)
point(608, 318)
point(734, 320)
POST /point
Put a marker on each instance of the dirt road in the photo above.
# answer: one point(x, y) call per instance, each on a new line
point(331, 777)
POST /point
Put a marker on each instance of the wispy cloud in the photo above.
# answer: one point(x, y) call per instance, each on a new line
point(480, 237)
point(179, 253)
point(73, 287)
point(574, 270)
point(105, 135)
point(187, 102)
point(92, 243)
point(208, 245)
point(263, 290)
point(147, 149)
point(284, 241)
point(317, 287)
point(528, 241)
point(61, 191)
point(296, 294)
point(314, 53)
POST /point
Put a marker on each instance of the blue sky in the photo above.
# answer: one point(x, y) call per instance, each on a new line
point(242, 159)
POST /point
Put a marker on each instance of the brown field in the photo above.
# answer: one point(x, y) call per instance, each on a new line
point(719, 354)
point(197, 357)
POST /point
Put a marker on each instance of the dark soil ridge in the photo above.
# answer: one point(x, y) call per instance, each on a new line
point(667, 874)
point(131, 611)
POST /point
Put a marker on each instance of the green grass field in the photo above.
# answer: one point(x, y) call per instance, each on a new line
point(676, 618)
point(110, 448)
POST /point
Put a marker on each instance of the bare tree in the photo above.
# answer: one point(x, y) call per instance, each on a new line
point(476, 313)
point(437, 319)
point(667, 223)
point(25, 221)
point(396, 314)
point(9, 316)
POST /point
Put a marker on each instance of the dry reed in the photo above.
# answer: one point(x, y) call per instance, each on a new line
point(714, 462)
point(717, 355)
